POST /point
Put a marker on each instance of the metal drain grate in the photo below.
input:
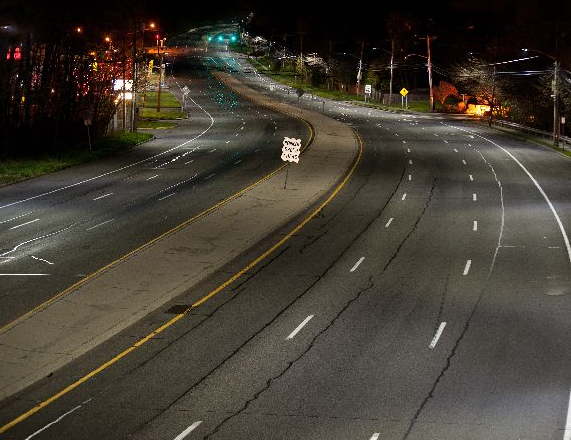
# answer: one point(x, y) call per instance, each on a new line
point(177, 309)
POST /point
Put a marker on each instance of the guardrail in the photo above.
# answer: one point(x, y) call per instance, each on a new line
point(535, 131)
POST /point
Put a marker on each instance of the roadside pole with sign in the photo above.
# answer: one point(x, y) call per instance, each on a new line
point(404, 93)
point(368, 90)
point(290, 153)
point(185, 91)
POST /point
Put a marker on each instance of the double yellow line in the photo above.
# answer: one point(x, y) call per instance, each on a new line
point(201, 301)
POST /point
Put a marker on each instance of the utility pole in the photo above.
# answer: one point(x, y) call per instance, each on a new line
point(360, 72)
point(428, 37)
point(392, 67)
point(556, 90)
point(160, 73)
point(301, 56)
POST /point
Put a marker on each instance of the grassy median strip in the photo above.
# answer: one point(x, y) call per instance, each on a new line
point(150, 125)
point(16, 170)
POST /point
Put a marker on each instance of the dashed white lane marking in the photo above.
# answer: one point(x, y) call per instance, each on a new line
point(410, 162)
point(463, 161)
point(403, 196)
point(409, 177)
point(41, 259)
point(24, 224)
point(237, 162)
point(475, 227)
point(255, 151)
point(467, 267)
point(404, 142)
point(455, 150)
point(152, 177)
point(437, 335)
point(396, 134)
point(100, 224)
point(213, 150)
point(474, 197)
point(567, 435)
point(471, 177)
point(167, 196)
point(375, 436)
point(408, 150)
point(389, 222)
point(445, 141)
point(299, 327)
point(227, 142)
point(208, 177)
point(190, 161)
point(104, 195)
point(59, 419)
point(434, 134)
point(188, 430)
point(354, 268)
point(17, 217)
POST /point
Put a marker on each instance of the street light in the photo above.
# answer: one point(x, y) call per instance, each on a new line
point(555, 94)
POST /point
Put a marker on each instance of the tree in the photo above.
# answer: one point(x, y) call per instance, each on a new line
point(443, 90)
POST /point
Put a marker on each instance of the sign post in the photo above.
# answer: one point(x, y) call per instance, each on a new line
point(185, 91)
point(368, 90)
point(403, 93)
point(290, 153)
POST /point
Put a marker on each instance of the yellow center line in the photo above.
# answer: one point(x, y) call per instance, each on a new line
point(178, 317)
point(177, 228)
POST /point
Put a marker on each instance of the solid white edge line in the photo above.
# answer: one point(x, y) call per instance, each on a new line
point(467, 267)
point(354, 268)
point(539, 188)
point(24, 224)
point(437, 335)
point(567, 435)
point(24, 274)
point(188, 430)
point(299, 327)
point(118, 169)
point(389, 222)
point(156, 175)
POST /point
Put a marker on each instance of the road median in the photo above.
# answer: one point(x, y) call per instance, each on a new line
point(111, 299)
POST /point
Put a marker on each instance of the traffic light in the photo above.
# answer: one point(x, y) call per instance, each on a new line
point(220, 38)
point(209, 38)
point(233, 38)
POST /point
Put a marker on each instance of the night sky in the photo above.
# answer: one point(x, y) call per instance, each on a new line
point(461, 26)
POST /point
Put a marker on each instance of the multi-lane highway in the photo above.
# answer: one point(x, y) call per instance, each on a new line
point(429, 299)
point(58, 229)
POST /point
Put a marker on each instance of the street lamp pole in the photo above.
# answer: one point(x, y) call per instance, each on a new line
point(556, 104)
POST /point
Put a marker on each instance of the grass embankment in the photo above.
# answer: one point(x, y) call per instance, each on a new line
point(289, 79)
point(15, 170)
point(170, 106)
point(536, 140)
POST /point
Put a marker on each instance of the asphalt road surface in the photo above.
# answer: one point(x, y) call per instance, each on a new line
point(428, 300)
point(59, 228)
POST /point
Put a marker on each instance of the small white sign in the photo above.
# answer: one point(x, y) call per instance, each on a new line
point(291, 150)
point(118, 84)
point(368, 89)
point(185, 90)
point(272, 87)
point(563, 119)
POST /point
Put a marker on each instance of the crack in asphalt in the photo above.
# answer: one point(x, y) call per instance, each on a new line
point(291, 363)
